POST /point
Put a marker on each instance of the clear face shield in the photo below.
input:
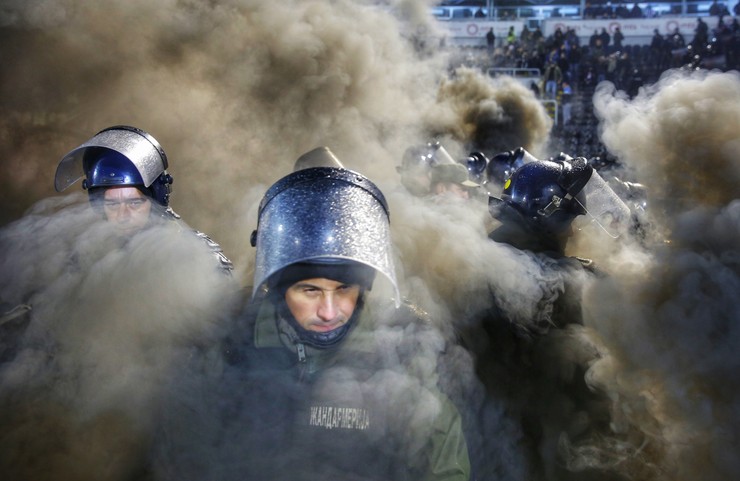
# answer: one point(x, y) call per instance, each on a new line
point(438, 155)
point(416, 166)
point(425, 157)
point(323, 215)
point(137, 146)
point(604, 209)
point(599, 204)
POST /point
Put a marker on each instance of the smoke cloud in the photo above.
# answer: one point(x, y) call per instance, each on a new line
point(491, 117)
point(669, 321)
point(235, 92)
point(109, 321)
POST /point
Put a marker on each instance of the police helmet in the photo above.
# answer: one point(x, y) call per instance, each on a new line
point(548, 194)
point(118, 156)
point(424, 156)
point(325, 220)
point(477, 164)
point(502, 165)
point(499, 168)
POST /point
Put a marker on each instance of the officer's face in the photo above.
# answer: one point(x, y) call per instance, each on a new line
point(127, 208)
point(322, 304)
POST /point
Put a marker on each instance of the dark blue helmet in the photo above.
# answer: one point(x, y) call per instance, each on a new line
point(502, 165)
point(477, 164)
point(118, 156)
point(320, 216)
point(108, 168)
point(548, 194)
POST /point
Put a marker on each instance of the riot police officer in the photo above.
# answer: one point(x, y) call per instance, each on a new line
point(126, 292)
point(125, 175)
point(320, 378)
point(544, 363)
point(541, 199)
point(416, 166)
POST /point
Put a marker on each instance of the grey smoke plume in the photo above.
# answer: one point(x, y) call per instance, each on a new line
point(669, 322)
point(110, 319)
point(233, 91)
point(228, 89)
point(490, 116)
point(685, 124)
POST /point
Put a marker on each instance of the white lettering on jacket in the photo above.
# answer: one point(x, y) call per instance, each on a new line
point(330, 417)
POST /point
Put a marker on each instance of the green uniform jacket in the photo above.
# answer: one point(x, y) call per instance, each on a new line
point(366, 409)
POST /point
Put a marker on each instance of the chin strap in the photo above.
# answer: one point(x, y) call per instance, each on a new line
point(554, 204)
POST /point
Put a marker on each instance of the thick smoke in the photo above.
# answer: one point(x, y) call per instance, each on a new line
point(683, 139)
point(488, 116)
point(669, 323)
point(235, 92)
point(109, 321)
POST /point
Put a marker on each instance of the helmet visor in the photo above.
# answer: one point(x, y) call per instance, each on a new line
point(136, 145)
point(323, 215)
point(603, 208)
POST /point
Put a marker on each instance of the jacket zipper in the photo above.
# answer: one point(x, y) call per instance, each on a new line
point(301, 350)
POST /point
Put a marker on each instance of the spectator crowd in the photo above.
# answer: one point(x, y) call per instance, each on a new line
point(571, 68)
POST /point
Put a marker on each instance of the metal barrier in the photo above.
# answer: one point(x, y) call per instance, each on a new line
point(517, 73)
point(525, 76)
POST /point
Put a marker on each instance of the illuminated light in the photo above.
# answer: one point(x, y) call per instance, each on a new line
point(507, 184)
